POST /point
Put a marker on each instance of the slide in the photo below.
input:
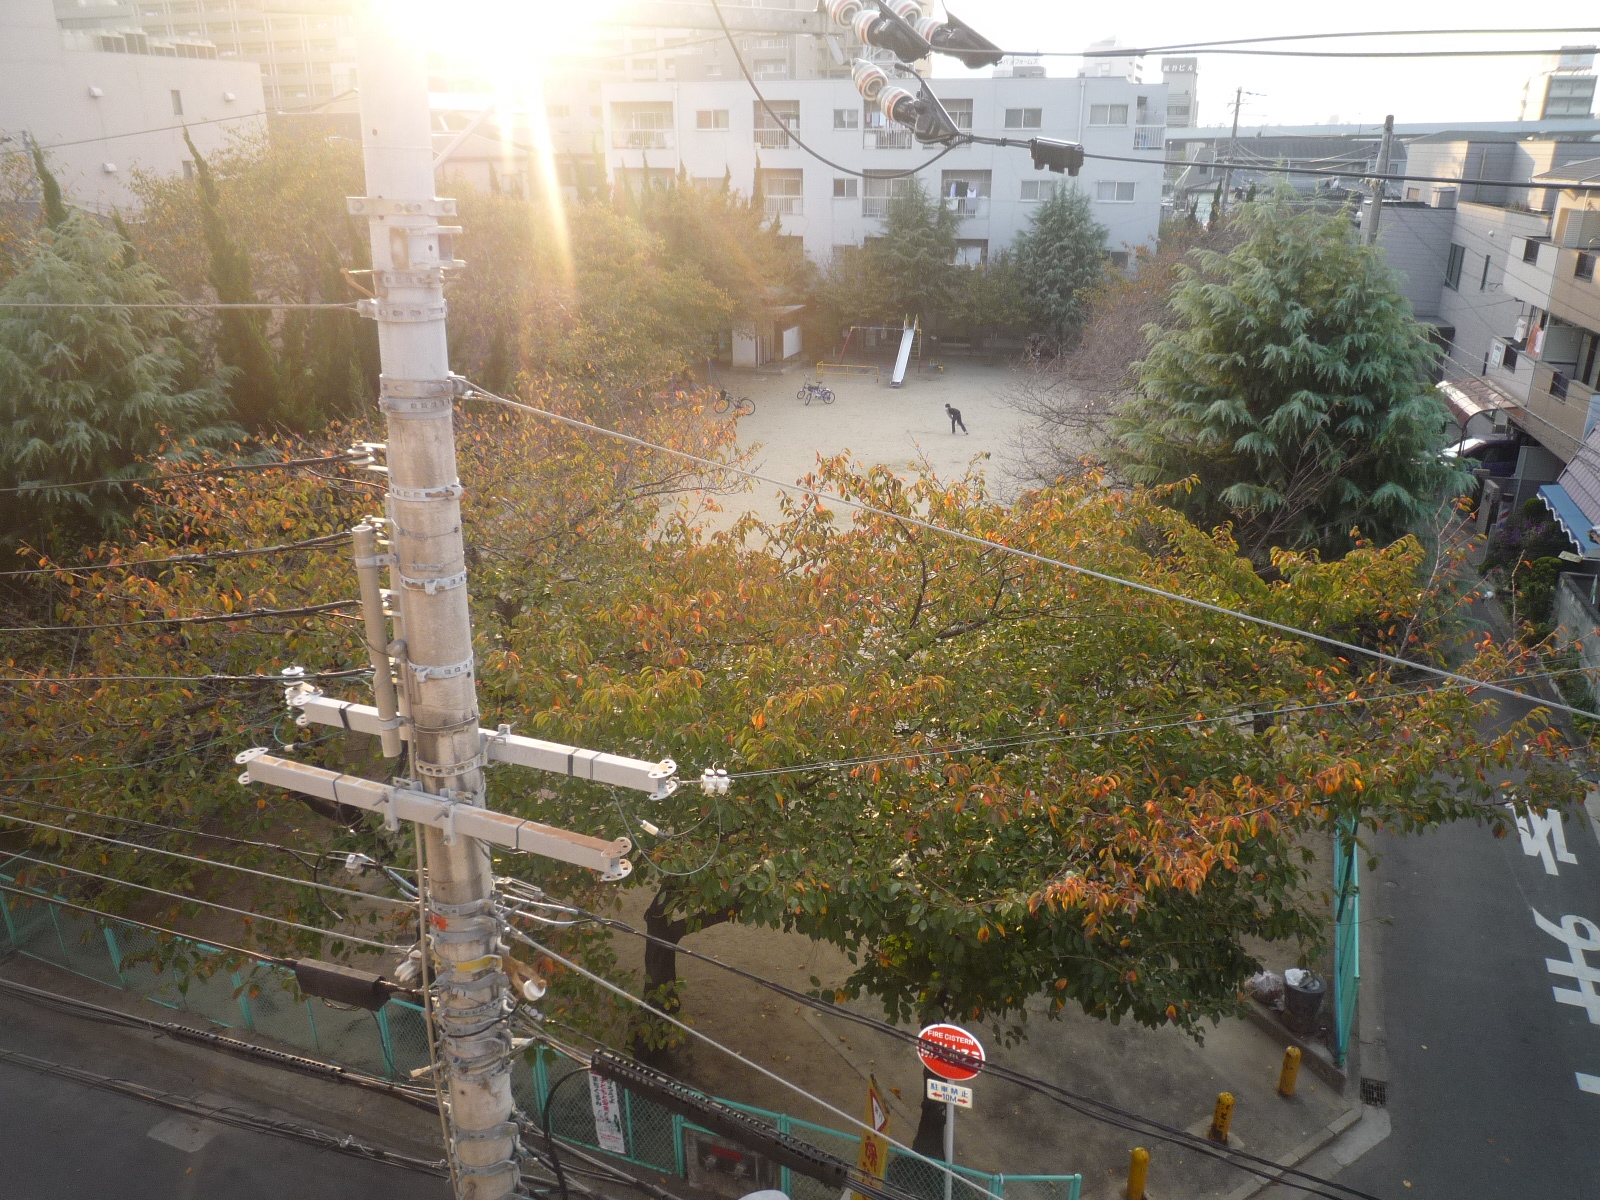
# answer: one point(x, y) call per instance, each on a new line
point(906, 338)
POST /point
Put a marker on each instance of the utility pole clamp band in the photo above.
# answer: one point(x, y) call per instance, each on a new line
point(450, 491)
point(436, 583)
point(448, 671)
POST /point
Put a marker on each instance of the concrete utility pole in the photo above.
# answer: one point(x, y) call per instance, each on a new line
point(1370, 233)
point(1233, 148)
point(424, 510)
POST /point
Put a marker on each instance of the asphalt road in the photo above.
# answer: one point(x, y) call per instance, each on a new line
point(1487, 1068)
point(60, 1140)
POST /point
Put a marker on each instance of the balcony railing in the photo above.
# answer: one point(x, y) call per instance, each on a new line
point(783, 206)
point(1149, 137)
point(772, 139)
point(875, 206)
point(969, 206)
point(886, 139)
point(641, 139)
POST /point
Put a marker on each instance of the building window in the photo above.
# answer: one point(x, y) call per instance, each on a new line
point(1483, 282)
point(711, 118)
point(1108, 114)
point(1530, 251)
point(1452, 267)
point(560, 111)
point(960, 112)
point(844, 189)
point(644, 64)
point(1032, 118)
point(1584, 267)
point(1111, 191)
point(1118, 259)
point(177, 103)
point(641, 126)
point(879, 134)
point(782, 192)
point(188, 168)
point(713, 70)
point(1413, 193)
point(771, 68)
point(972, 252)
point(1037, 189)
point(846, 118)
point(773, 121)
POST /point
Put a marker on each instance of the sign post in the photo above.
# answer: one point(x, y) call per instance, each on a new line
point(874, 1156)
point(955, 1056)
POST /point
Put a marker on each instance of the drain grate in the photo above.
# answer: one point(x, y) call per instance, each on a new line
point(1375, 1092)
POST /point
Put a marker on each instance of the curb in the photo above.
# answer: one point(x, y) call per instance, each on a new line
point(1317, 1141)
point(1312, 1055)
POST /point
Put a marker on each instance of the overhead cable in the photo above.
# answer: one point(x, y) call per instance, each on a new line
point(150, 481)
point(138, 847)
point(238, 912)
point(1305, 37)
point(329, 542)
point(1123, 1118)
point(942, 1168)
point(266, 305)
point(1046, 560)
point(244, 614)
point(280, 680)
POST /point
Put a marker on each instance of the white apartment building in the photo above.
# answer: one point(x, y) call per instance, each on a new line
point(712, 130)
point(99, 112)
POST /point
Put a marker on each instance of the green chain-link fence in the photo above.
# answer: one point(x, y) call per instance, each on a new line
point(392, 1042)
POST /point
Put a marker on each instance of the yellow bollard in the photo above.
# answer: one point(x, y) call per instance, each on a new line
point(1290, 1074)
point(1222, 1118)
point(1138, 1172)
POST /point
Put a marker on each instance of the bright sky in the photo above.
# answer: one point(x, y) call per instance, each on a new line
point(1305, 91)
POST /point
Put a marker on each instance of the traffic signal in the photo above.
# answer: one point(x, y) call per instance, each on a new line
point(1050, 154)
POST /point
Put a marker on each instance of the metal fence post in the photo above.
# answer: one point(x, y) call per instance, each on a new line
point(382, 1018)
point(677, 1147)
point(242, 995)
point(115, 950)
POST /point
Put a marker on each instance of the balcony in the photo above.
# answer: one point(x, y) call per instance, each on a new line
point(968, 206)
point(772, 139)
point(875, 206)
point(1149, 137)
point(641, 139)
point(1560, 408)
point(886, 139)
point(783, 206)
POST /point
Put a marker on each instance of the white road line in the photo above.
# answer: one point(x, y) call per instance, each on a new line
point(1588, 1083)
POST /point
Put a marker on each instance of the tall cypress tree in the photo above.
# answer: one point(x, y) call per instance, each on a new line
point(1060, 256)
point(55, 210)
point(1293, 389)
point(242, 344)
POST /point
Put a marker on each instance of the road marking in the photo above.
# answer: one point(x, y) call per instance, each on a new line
point(1578, 941)
point(185, 1133)
point(1543, 836)
point(1591, 805)
point(1588, 1083)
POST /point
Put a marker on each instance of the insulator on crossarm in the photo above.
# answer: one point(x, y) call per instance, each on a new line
point(870, 80)
point(899, 106)
point(844, 12)
point(927, 27)
point(909, 9)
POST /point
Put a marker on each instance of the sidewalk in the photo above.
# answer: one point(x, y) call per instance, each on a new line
point(1161, 1074)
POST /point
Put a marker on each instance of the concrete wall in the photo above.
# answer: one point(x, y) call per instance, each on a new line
point(825, 221)
point(95, 142)
point(1480, 314)
point(1416, 241)
point(1578, 624)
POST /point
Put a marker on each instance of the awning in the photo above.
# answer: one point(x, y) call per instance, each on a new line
point(1466, 398)
point(1585, 536)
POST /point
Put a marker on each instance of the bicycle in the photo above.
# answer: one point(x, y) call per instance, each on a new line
point(742, 406)
point(814, 391)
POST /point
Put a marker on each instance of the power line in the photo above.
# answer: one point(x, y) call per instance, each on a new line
point(1229, 164)
point(248, 614)
point(328, 542)
point(1046, 560)
point(288, 464)
point(943, 1168)
point(1529, 52)
point(1301, 37)
point(208, 862)
point(1030, 1082)
point(238, 912)
point(1025, 740)
point(267, 305)
point(794, 137)
point(280, 680)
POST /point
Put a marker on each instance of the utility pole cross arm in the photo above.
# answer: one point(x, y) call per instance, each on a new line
point(656, 778)
point(439, 812)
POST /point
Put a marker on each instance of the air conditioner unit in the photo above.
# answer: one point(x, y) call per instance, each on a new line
point(1500, 421)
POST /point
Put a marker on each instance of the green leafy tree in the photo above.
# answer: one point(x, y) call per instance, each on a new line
point(989, 299)
point(1293, 389)
point(1060, 258)
point(916, 257)
point(89, 394)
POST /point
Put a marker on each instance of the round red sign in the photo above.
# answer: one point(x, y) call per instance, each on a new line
point(963, 1055)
